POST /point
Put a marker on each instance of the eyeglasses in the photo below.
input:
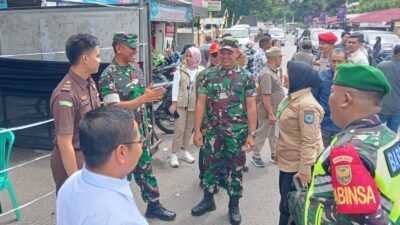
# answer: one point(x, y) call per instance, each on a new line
point(141, 140)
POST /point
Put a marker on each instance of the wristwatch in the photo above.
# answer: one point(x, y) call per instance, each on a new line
point(253, 133)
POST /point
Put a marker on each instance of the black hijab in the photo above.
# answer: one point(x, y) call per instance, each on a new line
point(301, 76)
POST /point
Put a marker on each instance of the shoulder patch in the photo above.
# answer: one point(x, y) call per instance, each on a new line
point(65, 103)
point(309, 117)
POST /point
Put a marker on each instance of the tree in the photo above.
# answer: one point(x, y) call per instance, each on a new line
point(372, 5)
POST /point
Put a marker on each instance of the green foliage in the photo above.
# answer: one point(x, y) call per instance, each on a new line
point(286, 10)
point(371, 5)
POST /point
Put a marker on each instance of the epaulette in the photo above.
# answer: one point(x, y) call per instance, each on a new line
point(66, 86)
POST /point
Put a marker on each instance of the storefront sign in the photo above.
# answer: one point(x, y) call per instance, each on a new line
point(197, 3)
point(161, 11)
point(214, 6)
point(3, 4)
point(107, 2)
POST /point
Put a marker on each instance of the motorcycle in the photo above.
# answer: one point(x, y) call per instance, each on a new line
point(164, 120)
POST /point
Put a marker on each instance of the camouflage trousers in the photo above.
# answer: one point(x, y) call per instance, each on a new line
point(144, 177)
point(224, 151)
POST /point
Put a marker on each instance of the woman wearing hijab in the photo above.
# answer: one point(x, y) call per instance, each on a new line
point(184, 103)
point(298, 131)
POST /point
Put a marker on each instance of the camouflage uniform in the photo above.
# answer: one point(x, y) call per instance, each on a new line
point(369, 135)
point(227, 127)
point(126, 81)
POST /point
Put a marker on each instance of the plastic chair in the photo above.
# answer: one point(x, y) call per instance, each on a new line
point(6, 144)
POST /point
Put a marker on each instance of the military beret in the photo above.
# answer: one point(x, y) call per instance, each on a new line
point(362, 77)
point(128, 39)
point(328, 37)
point(273, 52)
point(229, 43)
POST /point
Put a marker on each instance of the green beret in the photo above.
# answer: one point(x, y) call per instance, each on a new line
point(362, 77)
point(127, 39)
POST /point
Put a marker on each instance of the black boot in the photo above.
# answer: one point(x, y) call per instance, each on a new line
point(156, 210)
point(234, 214)
point(206, 205)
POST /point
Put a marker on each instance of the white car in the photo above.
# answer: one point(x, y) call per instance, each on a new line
point(241, 34)
point(279, 34)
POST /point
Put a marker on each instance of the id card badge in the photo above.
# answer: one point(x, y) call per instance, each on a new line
point(277, 129)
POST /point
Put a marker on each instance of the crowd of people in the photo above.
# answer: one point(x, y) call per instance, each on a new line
point(328, 130)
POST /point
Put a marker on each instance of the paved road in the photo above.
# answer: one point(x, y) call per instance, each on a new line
point(179, 188)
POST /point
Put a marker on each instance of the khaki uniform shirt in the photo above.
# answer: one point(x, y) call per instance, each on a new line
point(323, 63)
point(270, 84)
point(300, 139)
point(70, 101)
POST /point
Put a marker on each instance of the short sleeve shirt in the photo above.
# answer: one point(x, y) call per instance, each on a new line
point(226, 92)
point(259, 62)
point(270, 84)
point(70, 101)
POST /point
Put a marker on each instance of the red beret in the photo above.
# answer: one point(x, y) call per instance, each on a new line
point(328, 37)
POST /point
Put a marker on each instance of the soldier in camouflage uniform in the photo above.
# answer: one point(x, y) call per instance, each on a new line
point(213, 60)
point(121, 84)
point(227, 94)
point(355, 100)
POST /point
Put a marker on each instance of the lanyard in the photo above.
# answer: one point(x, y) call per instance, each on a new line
point(282, 107)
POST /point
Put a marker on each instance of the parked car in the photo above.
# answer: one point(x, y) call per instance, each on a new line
point(279, 34)
point(388, 41)
point(241, 34)
point(245, 26)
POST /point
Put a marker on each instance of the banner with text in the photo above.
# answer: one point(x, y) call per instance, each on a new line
point(214, 6)
point(162, 11)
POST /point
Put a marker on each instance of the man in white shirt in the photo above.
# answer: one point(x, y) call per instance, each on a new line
point(354, 45)
point(100, 193)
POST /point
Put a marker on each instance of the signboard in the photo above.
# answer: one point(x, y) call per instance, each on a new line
point(197, 3)
point(107, 2)
point(200, 8)
point(341, 16)
point(162, 11)
point(3, 4)
point(214, 6)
